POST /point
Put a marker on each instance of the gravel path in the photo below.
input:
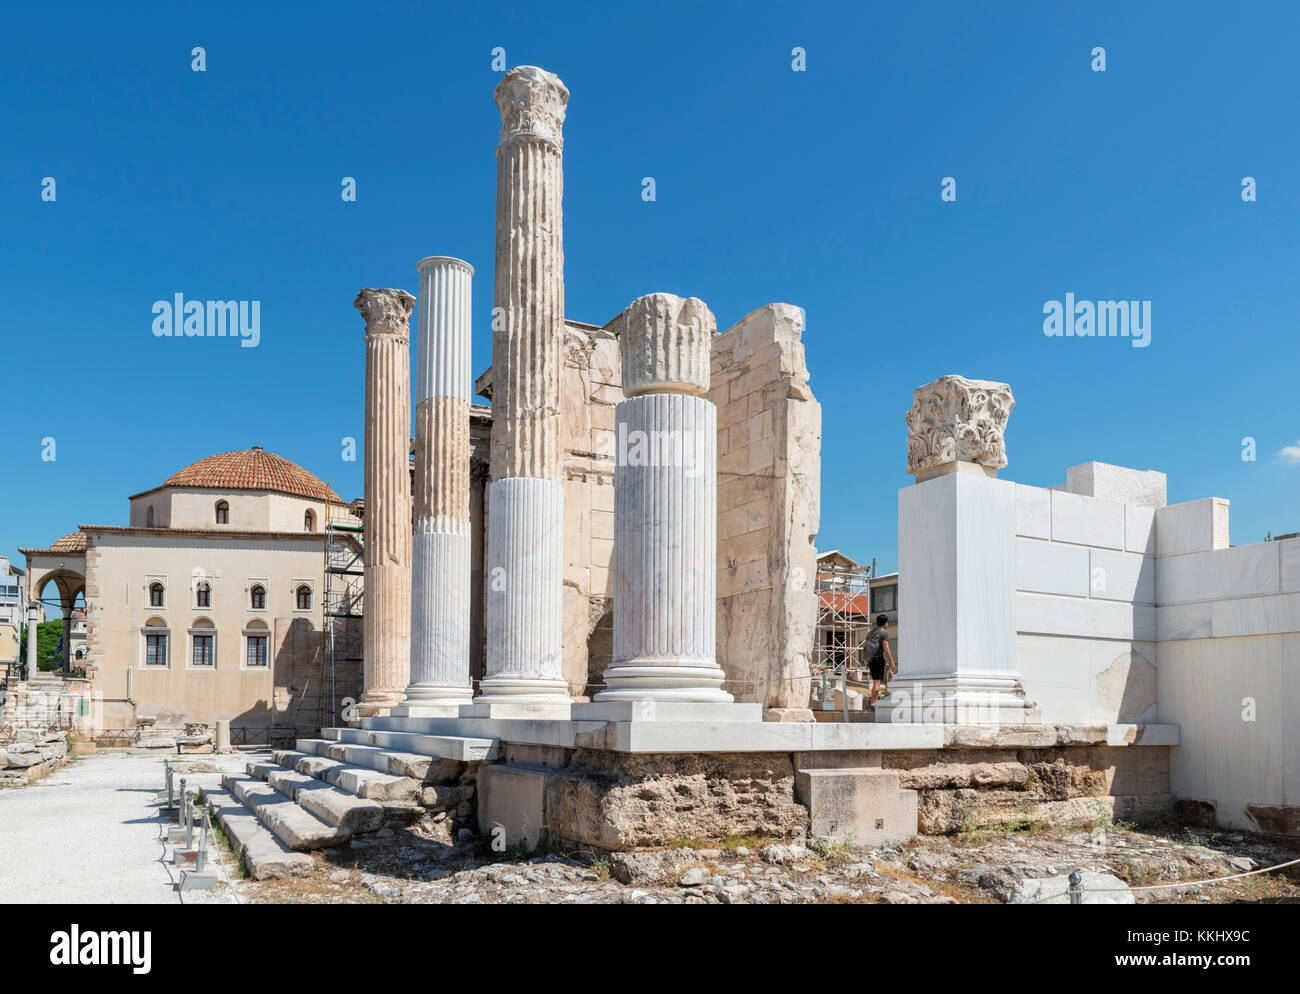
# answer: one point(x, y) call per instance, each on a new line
point(87, 834)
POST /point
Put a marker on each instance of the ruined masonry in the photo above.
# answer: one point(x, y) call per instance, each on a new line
point(652, 486)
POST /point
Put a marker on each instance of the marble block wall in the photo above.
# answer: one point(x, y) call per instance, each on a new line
point(1228, 620)
point(1085, 606)
point(769, 507)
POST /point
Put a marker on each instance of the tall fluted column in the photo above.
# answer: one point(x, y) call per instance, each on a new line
point(440, 575)
point(387, 651)
point(665, 508)
point(525, 554)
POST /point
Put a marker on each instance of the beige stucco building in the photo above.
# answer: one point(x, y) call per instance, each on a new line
point(210, 603)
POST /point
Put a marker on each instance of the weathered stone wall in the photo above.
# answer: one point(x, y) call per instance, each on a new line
point(769, 506)
point(591, 386)
point(964, 789)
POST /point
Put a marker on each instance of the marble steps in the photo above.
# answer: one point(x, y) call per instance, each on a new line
point(296, 827)
point(265, 856)
point(461, 748)
point(358, 773)
point(328, 803)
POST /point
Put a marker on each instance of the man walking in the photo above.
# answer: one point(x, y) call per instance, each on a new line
point(876, 649)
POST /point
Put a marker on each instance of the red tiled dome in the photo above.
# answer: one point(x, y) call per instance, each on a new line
point(75, 542)
point(252, 469)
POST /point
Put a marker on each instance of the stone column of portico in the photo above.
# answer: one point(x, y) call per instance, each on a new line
point(387, 643)
point(665, 508)
point(33, 624)
point(440, 574)
point(525, 554)
point(957, 562)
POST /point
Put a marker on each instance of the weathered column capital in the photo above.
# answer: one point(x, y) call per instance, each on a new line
point(666, 344)
point(532, 103)
point(955, 420)
point(387, 312)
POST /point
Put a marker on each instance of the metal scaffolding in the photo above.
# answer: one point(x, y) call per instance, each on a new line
point(843, 622)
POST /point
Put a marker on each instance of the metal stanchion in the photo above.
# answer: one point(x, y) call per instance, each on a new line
point(1076, 887)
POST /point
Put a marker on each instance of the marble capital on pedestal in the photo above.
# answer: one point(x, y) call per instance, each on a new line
point(957, 563)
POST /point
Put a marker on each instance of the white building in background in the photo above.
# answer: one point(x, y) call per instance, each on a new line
point(13, 610)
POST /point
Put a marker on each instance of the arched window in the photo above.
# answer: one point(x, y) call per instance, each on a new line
point(223, 513)
point(256, 641)
point(309, 521)
point(155, 642)
point(203, 644)
point(148, 517)
point(156, 594)
point(257, 597)
point(304, 598)
point(203, 594)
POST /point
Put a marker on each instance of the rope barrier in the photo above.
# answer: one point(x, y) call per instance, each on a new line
point(1181, 883)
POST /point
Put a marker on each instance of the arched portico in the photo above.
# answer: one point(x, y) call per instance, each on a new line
point(64, 566)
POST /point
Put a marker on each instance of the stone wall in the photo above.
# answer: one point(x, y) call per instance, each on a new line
point(966, 789)
point(769, 505)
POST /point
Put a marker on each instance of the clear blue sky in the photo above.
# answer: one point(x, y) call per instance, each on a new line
point(820, 188)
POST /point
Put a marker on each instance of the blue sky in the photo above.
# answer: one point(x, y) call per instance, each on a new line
point(820, 188)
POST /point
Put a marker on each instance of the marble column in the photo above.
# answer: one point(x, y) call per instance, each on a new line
point(440, 577)
point(665, 508)
point(387, 646)
point(525, 554)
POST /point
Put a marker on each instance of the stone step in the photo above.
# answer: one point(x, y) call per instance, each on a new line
point(331, 765)
point(461, 748)
point(297, 827)
point(265, 856)
point(324, 801)
point(422, 769)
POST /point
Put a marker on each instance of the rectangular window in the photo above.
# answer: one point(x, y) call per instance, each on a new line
point(885, 598)
point(257, 650)
point(155, 650)
point(204, 650)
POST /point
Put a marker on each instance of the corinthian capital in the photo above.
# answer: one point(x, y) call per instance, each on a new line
point(666, 344)
point(955, 420)
point(387, 312)
point(532, 103)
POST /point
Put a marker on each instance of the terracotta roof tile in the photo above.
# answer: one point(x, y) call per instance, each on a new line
point(252, 469)
point(75, 542)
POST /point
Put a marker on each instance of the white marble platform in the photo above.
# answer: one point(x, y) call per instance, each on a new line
point(670, 733)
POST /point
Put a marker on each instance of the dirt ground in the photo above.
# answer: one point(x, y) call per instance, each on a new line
point(978, 868)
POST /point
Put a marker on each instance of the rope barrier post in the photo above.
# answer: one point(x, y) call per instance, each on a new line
point(201, 857)
point(1076, 887)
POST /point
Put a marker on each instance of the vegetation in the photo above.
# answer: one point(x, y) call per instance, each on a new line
point(48, 634)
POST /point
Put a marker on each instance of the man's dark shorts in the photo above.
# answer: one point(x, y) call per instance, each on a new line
point(877, 667)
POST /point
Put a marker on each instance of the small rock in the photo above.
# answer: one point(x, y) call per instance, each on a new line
point(694, 877)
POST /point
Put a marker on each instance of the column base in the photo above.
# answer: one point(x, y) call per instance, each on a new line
point(957, 699)
point(378, 703)
point(522, 690)
point(427, 701)
point(687, 684)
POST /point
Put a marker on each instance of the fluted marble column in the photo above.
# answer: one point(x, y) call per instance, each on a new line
point(525, 554)
point(440, 563)
point(665, 508)
point(387, 652)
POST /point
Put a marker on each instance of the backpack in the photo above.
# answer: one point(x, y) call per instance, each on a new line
point(871, 647)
